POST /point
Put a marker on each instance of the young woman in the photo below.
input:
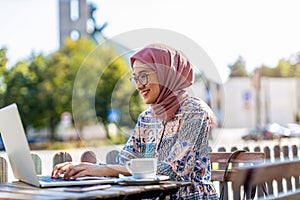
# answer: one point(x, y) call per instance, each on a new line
point(174, 129)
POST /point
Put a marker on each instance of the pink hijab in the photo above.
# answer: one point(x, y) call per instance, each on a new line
point(175, 73)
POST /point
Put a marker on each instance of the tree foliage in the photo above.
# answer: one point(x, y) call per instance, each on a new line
point(284, 68)
point(238, 68)
point(3, 61)
point(42, 86)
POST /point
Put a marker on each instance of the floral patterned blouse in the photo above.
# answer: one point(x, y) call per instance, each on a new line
point(181, 146)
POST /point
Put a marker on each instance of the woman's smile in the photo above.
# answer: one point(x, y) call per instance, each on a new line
point(144, 92)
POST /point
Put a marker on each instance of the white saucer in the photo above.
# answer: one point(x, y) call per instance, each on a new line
point(130, 180)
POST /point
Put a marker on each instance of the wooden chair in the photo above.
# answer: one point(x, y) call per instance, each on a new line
point(61, 157)
point(37, 163)
point(111, 157)
point(88, 156)
point(3, 170)
point(4, 167)
point(219, 161)
point(270, 172)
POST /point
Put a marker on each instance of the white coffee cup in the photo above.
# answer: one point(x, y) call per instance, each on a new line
point(142, 168)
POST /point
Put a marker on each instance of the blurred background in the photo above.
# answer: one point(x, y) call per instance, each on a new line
point(254, 46)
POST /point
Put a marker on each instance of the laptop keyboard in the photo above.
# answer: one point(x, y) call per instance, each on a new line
point(84, 178)
point(49, 179)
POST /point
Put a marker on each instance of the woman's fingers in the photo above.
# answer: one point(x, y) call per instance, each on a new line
point(61, 169)
point(77, 171)
point(72, 171)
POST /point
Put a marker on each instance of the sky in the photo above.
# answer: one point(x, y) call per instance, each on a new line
point(261, 31)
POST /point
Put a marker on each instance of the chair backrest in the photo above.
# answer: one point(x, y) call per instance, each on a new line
point(220, 159)
point(37, 163)
point(88, 156)
point(111, 157)
point(61, 157)
point(4, 167)
point(3, 170)
point(269, 172)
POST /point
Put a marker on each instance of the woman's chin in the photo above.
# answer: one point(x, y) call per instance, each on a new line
point(147, 101)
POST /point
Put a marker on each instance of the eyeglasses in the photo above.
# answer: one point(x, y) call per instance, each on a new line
point(142, 78)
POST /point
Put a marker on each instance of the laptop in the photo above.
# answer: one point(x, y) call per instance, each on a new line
point(19, 156)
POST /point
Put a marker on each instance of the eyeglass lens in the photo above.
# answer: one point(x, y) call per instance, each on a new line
point(141, 78)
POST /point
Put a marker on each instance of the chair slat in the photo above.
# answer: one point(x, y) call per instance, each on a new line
point(244, 157)
point(61, 157)
point(218, 175)
point(267, 172)
point(37, 163)
point(3, 170)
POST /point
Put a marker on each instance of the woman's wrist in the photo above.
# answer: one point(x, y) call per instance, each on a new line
point(114, 170)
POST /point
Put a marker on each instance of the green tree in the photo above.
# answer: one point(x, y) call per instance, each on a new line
point(59, 78)
point(283, 69)
point(267, 71)
point(296, 67)
point(43, 86)
point(103, 84)
point(21, 88)
point(3, 61)
point(238, 68)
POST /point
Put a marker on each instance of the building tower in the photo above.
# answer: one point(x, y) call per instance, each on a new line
point(76, 19)
point(73, 19)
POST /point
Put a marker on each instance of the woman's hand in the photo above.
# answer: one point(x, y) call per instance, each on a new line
point(72, 171)
point(84, 169)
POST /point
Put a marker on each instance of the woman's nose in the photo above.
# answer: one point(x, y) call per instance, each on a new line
point(139, 85)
